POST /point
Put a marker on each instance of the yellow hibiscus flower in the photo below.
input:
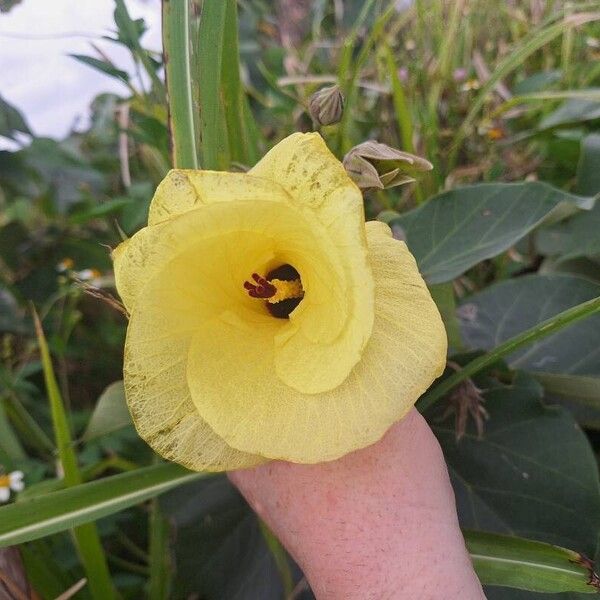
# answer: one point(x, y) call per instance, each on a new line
point(267, 319)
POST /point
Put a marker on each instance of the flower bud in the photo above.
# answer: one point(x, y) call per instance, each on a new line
point(327, 105)
point(374, 165)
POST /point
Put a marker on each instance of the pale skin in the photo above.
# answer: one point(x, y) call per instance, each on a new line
point(377, 524)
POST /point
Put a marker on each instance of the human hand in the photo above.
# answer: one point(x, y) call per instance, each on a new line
point(379, 523)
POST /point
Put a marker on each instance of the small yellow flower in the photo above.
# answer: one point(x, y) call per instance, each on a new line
point(10, 482)
point(268, 320)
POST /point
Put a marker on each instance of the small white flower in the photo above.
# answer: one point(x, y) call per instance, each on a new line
point(16, 481)
point(13, 481)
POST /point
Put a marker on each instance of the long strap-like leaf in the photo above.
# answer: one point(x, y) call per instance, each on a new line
point(498, 559)
point(64, 509)
point(529, 565)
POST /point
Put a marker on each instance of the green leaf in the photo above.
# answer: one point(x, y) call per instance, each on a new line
point(44, 572)
point(11, 120)
point(129, 33)
point(579, 393)
point(86, 535)
point(459, 228)
point(533, 473)
point(571, 112)
point(588, 174)
point(242, 133)
point(525, 564)
point(582, 388)
point(443, 296)
point(213, 127)
point(176, 48)
point(111, 412)
point(11, 450)
point(98, 211)
point(64, 509)
point(508, 308)
point(63, 172)
point(103, 66)
point(219, 549)
point(578, 235)
point(159, 556)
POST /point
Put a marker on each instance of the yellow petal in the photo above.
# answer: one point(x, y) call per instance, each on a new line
point(158, 396)
point(230, 373)
point(182, 190)
point(304, 166)
point(335, 317)
point(314, 178)
point(189, 273)
point(318, 185)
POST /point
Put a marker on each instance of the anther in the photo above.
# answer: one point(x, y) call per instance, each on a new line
point(261, 288)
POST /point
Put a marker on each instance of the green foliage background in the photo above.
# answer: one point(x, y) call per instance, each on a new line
point(503, 98)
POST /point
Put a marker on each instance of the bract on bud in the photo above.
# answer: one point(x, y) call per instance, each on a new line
point(375, 165)
point(327, 105)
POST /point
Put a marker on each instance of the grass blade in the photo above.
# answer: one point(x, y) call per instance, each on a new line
point(215, 152)
point(58, 511)
point(539, 331)
point(176, 49)
point(402, 111)
point(159, 563)
point(243, 142)
point(86, 537)
point(349, 69)
point(529, 565)
point(510, 63)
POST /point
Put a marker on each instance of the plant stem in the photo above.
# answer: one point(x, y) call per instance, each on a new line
point(176, 48)
point(539, 331)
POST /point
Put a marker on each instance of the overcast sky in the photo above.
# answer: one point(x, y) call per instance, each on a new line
point(39, 78)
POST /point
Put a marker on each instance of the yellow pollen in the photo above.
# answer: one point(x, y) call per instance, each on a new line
point(4, 481)
point(286, 290)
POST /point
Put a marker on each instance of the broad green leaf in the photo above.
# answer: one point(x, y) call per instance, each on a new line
point(485, 361)
point(443, 296)
point(588, 174)
point(533, 473)
point(457, 229)
point(579, 393)
point(578, 236)
point(572, 111)
point(111, 412)
point(65, 509)
point(525, 564)
point(219, 549)
point(537, 82)
point(506, 309)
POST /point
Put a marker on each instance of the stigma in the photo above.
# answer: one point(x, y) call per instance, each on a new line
point(274, 290)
